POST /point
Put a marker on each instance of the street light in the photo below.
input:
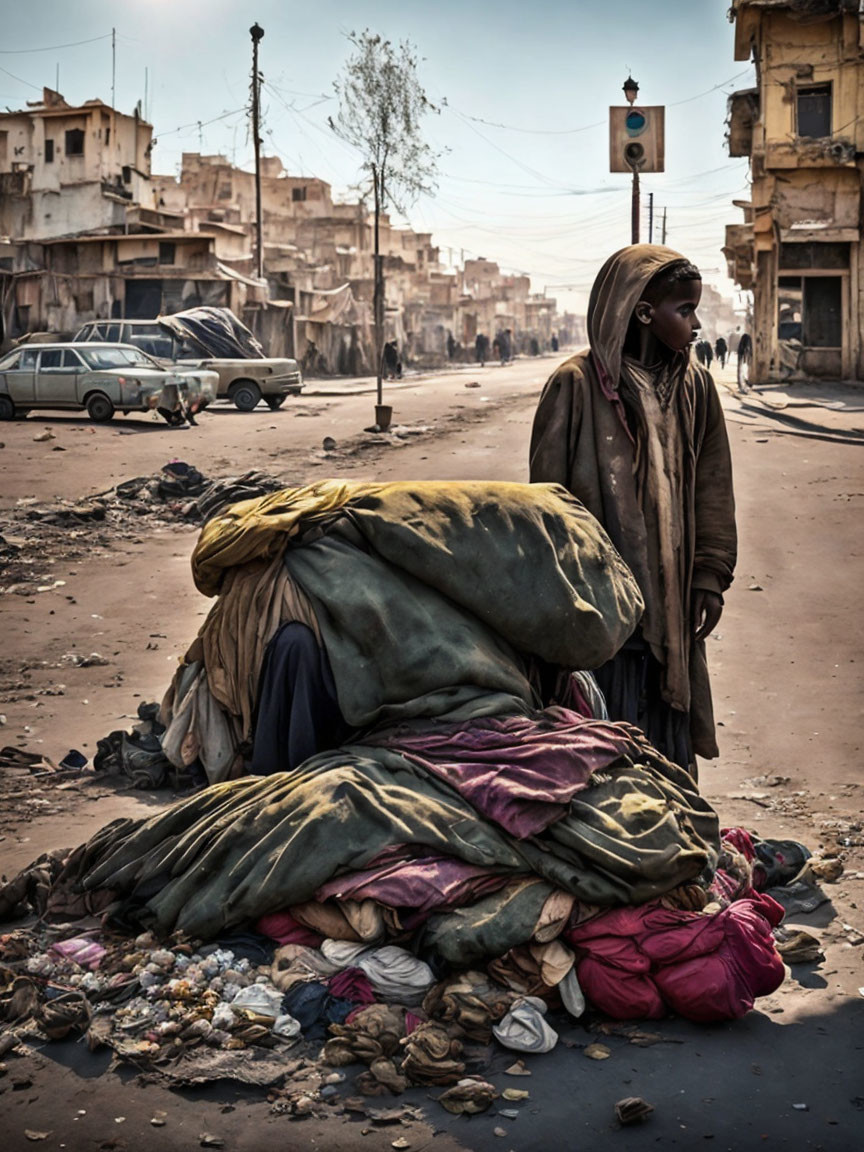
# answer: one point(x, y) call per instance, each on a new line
point(630, 89)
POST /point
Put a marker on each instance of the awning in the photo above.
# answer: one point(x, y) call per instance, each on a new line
point(231, 274)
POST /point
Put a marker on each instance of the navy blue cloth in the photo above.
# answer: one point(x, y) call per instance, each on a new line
point(314, 1008)
point(631, 682)
point(297, 713)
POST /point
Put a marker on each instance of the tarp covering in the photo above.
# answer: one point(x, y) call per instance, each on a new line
point(215, 331)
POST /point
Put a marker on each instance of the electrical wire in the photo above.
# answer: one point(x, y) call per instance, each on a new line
point(53, 47)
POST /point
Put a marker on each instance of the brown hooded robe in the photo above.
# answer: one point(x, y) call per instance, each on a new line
point(581, 439)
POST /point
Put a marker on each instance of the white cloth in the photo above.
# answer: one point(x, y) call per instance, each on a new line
point(572, 996)
point(524, 1028)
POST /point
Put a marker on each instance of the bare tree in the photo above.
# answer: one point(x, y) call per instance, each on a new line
point(381, 106)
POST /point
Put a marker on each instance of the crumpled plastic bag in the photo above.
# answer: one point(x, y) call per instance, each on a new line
point(262, 999)
point(572, 996)
point(524, 1028)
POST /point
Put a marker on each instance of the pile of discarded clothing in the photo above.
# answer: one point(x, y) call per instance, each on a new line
point(415, 803)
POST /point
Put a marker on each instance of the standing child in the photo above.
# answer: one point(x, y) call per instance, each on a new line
point(634, 429)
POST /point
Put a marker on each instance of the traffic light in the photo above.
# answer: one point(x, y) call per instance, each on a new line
point(636, 139)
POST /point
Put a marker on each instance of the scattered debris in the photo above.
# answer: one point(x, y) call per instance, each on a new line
point(633, 1110)
point(597, 1052)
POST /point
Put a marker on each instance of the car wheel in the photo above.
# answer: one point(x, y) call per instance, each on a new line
point(274, 402)
point(99, 408)
point(246, 395)
point(7, 408)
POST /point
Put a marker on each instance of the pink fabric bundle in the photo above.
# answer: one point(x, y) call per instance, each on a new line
point(352, 984)
point(84, 951)
point(284, 929)
point(646, 962)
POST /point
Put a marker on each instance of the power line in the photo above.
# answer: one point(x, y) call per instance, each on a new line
point(36, 87)
point(53, 47)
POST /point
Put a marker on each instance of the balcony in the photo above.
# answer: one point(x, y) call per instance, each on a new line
point(743, 108)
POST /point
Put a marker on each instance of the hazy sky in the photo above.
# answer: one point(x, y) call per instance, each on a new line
point(524, 179)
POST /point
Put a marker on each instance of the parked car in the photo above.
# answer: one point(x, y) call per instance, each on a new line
point(243, 380)
point(101, 378)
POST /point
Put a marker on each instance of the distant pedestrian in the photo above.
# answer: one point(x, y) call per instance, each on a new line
point(745, 355)
point(481, 348)
point(391, 362)
point(699, 349)
point(534, 346)
point(709, 353)
point(554, 343)
point(509, 345)
point(721, 349)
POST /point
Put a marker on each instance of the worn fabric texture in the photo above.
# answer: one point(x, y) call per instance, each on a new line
point(423, 594)
point(237, 851)
point(581, 439)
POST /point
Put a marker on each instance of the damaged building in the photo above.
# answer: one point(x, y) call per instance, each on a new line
point(88, 232)
point(798, 247)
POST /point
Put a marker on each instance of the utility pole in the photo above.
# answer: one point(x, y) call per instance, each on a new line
point(634, 208)
point(113, 67)
point(257, 34)
point(650, 217)
point(663, 241)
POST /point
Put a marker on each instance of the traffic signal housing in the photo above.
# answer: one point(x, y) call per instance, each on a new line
point(637, 139)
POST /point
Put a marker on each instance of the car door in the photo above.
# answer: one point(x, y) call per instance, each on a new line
point(56, 378)
point(20, 379)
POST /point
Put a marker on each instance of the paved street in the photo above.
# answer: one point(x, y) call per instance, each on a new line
point(787, 674)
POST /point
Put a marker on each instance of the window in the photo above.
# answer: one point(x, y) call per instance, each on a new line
point(810, 310)
point(59, 360)
point(28, 359)
point(75, 142)
point(814, 254)
point(49, 151)
point(127, 174)
point(167, 252)
point(4, 148)
point(298, 193)
point(814, 111)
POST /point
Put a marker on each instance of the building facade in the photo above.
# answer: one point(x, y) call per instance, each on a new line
point(798, 247)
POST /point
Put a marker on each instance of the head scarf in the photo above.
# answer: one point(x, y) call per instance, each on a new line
point(617, 290)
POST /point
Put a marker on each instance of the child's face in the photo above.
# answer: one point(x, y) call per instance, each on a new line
point(674, 321)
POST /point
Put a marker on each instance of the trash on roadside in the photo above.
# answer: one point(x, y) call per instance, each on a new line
point(633, 1110)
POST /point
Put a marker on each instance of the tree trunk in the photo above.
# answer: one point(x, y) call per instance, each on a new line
point(378, 293)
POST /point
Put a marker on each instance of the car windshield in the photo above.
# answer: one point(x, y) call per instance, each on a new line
point(100, 358)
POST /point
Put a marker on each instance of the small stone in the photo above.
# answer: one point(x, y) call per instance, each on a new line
point(400, 1143)
point(755, 588)
point(32, 1134)
point(515, 1094)
point(208, 1141)
point(328, 444)
point(597, 1052)
point(499, 1131)
point(158, 1120)
point(801, 1107)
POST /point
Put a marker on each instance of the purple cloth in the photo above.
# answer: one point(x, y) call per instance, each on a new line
point(351, 984)
point(520, 772)
point(401, 878)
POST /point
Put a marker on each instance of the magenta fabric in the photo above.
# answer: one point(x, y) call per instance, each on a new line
point(518, 771)
point(352, 984)
point(741, 839)
point(400, 877)
point(284, 929)
point(647, 961)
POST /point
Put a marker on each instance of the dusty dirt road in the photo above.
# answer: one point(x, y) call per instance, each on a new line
point(787, 674)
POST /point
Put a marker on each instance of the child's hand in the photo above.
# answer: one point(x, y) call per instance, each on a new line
point(707, 610)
